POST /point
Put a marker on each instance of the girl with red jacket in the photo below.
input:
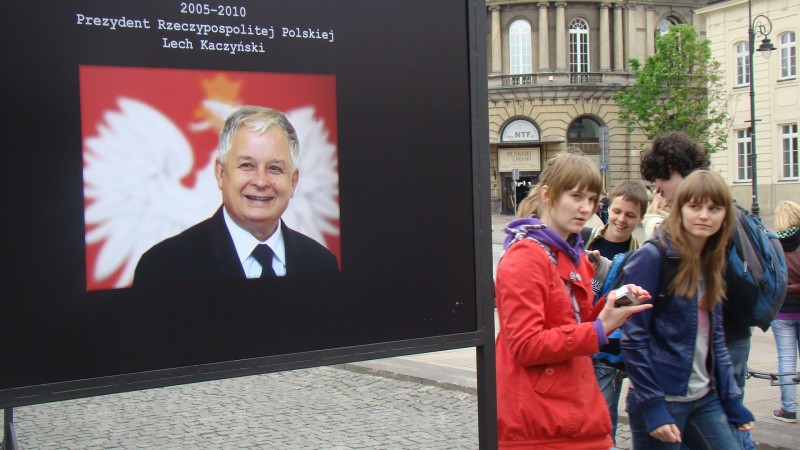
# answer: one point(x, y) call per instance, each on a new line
point(547, 394)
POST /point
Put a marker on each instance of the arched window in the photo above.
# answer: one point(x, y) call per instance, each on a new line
point(742, 64)
point(788, 55)
point(520, 47)
point(584, 133)
point(578, 46)
point(663, 26)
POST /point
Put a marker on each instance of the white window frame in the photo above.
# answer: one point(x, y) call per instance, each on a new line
point(579, 46)
point(788, 47)
point(744, 165)
point(663, 26)
point(519, 47)
point(789, 151)
point(742, 64)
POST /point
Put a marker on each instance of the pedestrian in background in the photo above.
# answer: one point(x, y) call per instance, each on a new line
point(547, 395)
point(604, 202)
point(683, 388)
point(655, 214)
point(786, 325)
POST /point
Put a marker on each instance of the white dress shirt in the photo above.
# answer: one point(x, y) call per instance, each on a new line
point(246, 242)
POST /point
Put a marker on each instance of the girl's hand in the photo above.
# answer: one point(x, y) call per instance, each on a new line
point(746, 426)
point(594, 257)
point(667, 433)
point(613, 317)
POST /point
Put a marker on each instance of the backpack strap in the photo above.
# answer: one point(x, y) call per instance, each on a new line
point(668, 270)
point(738, 229)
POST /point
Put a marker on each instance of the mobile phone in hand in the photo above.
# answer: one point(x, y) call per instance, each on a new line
point(625, 297)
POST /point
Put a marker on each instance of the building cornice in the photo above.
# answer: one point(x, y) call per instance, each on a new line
point(720, 6)
point(553, 92)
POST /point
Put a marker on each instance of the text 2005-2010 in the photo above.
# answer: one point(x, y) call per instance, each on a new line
point(204, 9)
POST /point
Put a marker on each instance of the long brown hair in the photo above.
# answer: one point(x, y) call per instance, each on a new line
point(700, 186)
point(561, 173)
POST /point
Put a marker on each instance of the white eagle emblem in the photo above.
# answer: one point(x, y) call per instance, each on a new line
point(133, 167)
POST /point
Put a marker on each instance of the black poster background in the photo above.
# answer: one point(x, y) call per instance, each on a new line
point(402, 73)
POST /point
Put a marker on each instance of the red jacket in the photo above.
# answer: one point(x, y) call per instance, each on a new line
point(547, 393)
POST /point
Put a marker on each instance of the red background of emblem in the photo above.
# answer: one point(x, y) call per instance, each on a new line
point(178, 94)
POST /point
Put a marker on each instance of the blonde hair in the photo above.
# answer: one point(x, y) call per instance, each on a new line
point(787, 215)
point(700, 186)
point(655, 207)
point(561, 173)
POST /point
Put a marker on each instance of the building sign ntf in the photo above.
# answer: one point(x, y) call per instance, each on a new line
point(520, 130)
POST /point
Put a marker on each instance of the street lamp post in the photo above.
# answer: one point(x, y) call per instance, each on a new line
point(762, 26)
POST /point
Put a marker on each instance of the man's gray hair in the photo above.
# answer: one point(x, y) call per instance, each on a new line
point(258, 119)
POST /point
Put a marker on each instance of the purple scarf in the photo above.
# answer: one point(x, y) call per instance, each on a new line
point(534, 228)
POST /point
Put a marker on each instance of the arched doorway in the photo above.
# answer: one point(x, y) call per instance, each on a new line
point(519, 161)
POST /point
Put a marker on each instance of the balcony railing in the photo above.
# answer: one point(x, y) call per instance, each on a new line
point(519, 80)
point(586, 78)
point(560, 78)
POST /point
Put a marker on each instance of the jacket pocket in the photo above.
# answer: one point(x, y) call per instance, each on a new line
point(546, 380)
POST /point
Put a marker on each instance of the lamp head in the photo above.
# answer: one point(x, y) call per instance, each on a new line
point(766, 46)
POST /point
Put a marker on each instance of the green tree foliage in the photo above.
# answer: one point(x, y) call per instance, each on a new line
point(678, 88)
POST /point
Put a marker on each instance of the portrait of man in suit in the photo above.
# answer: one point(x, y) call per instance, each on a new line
point(257, 172)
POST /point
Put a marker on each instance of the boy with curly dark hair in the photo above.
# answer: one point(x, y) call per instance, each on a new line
point(672, 157)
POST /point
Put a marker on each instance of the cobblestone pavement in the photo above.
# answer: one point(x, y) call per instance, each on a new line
point(320, 408)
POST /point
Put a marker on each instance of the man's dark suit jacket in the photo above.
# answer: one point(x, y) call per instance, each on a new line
point(206, 252)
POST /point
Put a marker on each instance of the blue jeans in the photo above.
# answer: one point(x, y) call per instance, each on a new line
point(740, 352)
point(703, 425)
point(610, 381)
point(787, 340)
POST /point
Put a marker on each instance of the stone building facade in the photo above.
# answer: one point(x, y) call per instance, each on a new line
point(777, 98)
point(553, 69)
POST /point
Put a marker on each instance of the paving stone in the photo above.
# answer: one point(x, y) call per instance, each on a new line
point(319, 408)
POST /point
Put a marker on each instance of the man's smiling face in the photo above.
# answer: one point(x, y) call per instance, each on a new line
point(623, 217)
point(257, 180)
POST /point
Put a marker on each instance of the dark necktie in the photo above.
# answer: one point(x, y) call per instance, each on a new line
point(263, 254)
